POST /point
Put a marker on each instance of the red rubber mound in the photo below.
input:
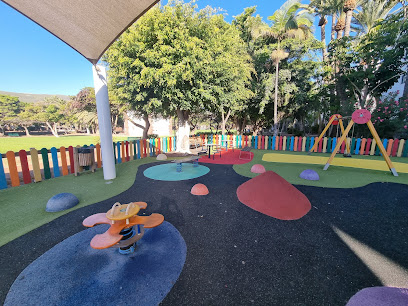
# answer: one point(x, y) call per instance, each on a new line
point(272, 195)
point(258, 168)
point(228, 158)
point(199, 189)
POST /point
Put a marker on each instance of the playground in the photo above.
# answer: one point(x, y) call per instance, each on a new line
point(349, 234)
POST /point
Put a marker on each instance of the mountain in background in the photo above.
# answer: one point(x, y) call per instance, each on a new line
point(32, 98)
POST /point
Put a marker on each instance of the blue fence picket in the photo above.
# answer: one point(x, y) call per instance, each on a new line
point(292, 142)
point(358, 144)
point(55, 166)
point(3, 182)
point(273, 142)
point(334, 142)
point(385, 143)
point(119, 155)
point(312, 140)
point(138, 149)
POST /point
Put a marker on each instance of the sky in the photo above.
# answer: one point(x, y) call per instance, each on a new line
point(34, 61)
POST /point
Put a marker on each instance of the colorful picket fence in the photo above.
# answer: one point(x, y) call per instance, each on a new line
point(358, 146)
point(37, 165)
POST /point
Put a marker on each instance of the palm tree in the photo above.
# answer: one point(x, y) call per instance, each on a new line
point(340, 25)
point(371, 12)
point(324, 8)
point(291, 20)
point(348, 8)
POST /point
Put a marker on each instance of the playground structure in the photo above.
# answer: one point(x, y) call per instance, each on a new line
point(179, 162)
point(336, 120)
point(360, 116)
point(126, 226)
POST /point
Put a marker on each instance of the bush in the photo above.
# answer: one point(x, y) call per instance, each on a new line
point(390, 117)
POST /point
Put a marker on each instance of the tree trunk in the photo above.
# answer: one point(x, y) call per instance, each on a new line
point(147, 125)
point(275, 106)
point(349, 16)
point(88, 132)
point(333, 28)
point(224, 121)
point(27, 131)
point(323, 38)
point(183, 132)
point(145, 128)
point(55, 133)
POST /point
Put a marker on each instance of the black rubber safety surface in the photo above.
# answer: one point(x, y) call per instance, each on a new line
point(237, 256)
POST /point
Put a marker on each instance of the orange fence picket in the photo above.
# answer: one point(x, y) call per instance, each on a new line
point(64, 164)
point(98, 155)
point(11, 159)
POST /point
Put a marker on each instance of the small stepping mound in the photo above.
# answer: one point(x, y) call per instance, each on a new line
point(272, 195)
point(61, 201)
point(380, 296)
point(161, 157)
point(258, 168)
point(199, 189)
point(310, 175)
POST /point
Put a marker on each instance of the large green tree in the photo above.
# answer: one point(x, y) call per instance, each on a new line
point(10, 107)
point(176, 61)
point(370, 65)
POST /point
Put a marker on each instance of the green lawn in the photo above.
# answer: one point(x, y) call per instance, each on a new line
point(334, 177)
point(29, 201)
point(25, 143)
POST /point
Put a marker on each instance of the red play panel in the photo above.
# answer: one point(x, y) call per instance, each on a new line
point(228, 158)
point(272, 195)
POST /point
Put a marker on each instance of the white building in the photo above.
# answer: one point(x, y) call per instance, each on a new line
point(158, 126)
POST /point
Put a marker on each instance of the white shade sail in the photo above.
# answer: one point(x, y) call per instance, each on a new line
point(88, 26)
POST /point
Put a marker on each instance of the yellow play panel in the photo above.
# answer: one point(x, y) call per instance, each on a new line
point(340, 161)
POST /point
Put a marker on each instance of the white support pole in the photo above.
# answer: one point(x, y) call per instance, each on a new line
point(104, 121)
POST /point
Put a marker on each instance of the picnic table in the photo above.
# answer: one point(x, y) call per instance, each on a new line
point(180, 162)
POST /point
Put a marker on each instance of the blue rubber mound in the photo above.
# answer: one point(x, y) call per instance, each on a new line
point(61, 201)
point(72, 273)
point(168, 172)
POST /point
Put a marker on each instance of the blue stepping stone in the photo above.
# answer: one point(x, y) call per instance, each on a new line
point(73, 273)
point(309, 175)
point(61, 201)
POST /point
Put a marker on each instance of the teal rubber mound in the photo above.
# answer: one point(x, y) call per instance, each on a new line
point(168, 172)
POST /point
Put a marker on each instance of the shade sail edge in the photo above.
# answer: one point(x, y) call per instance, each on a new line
point(98, 49)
